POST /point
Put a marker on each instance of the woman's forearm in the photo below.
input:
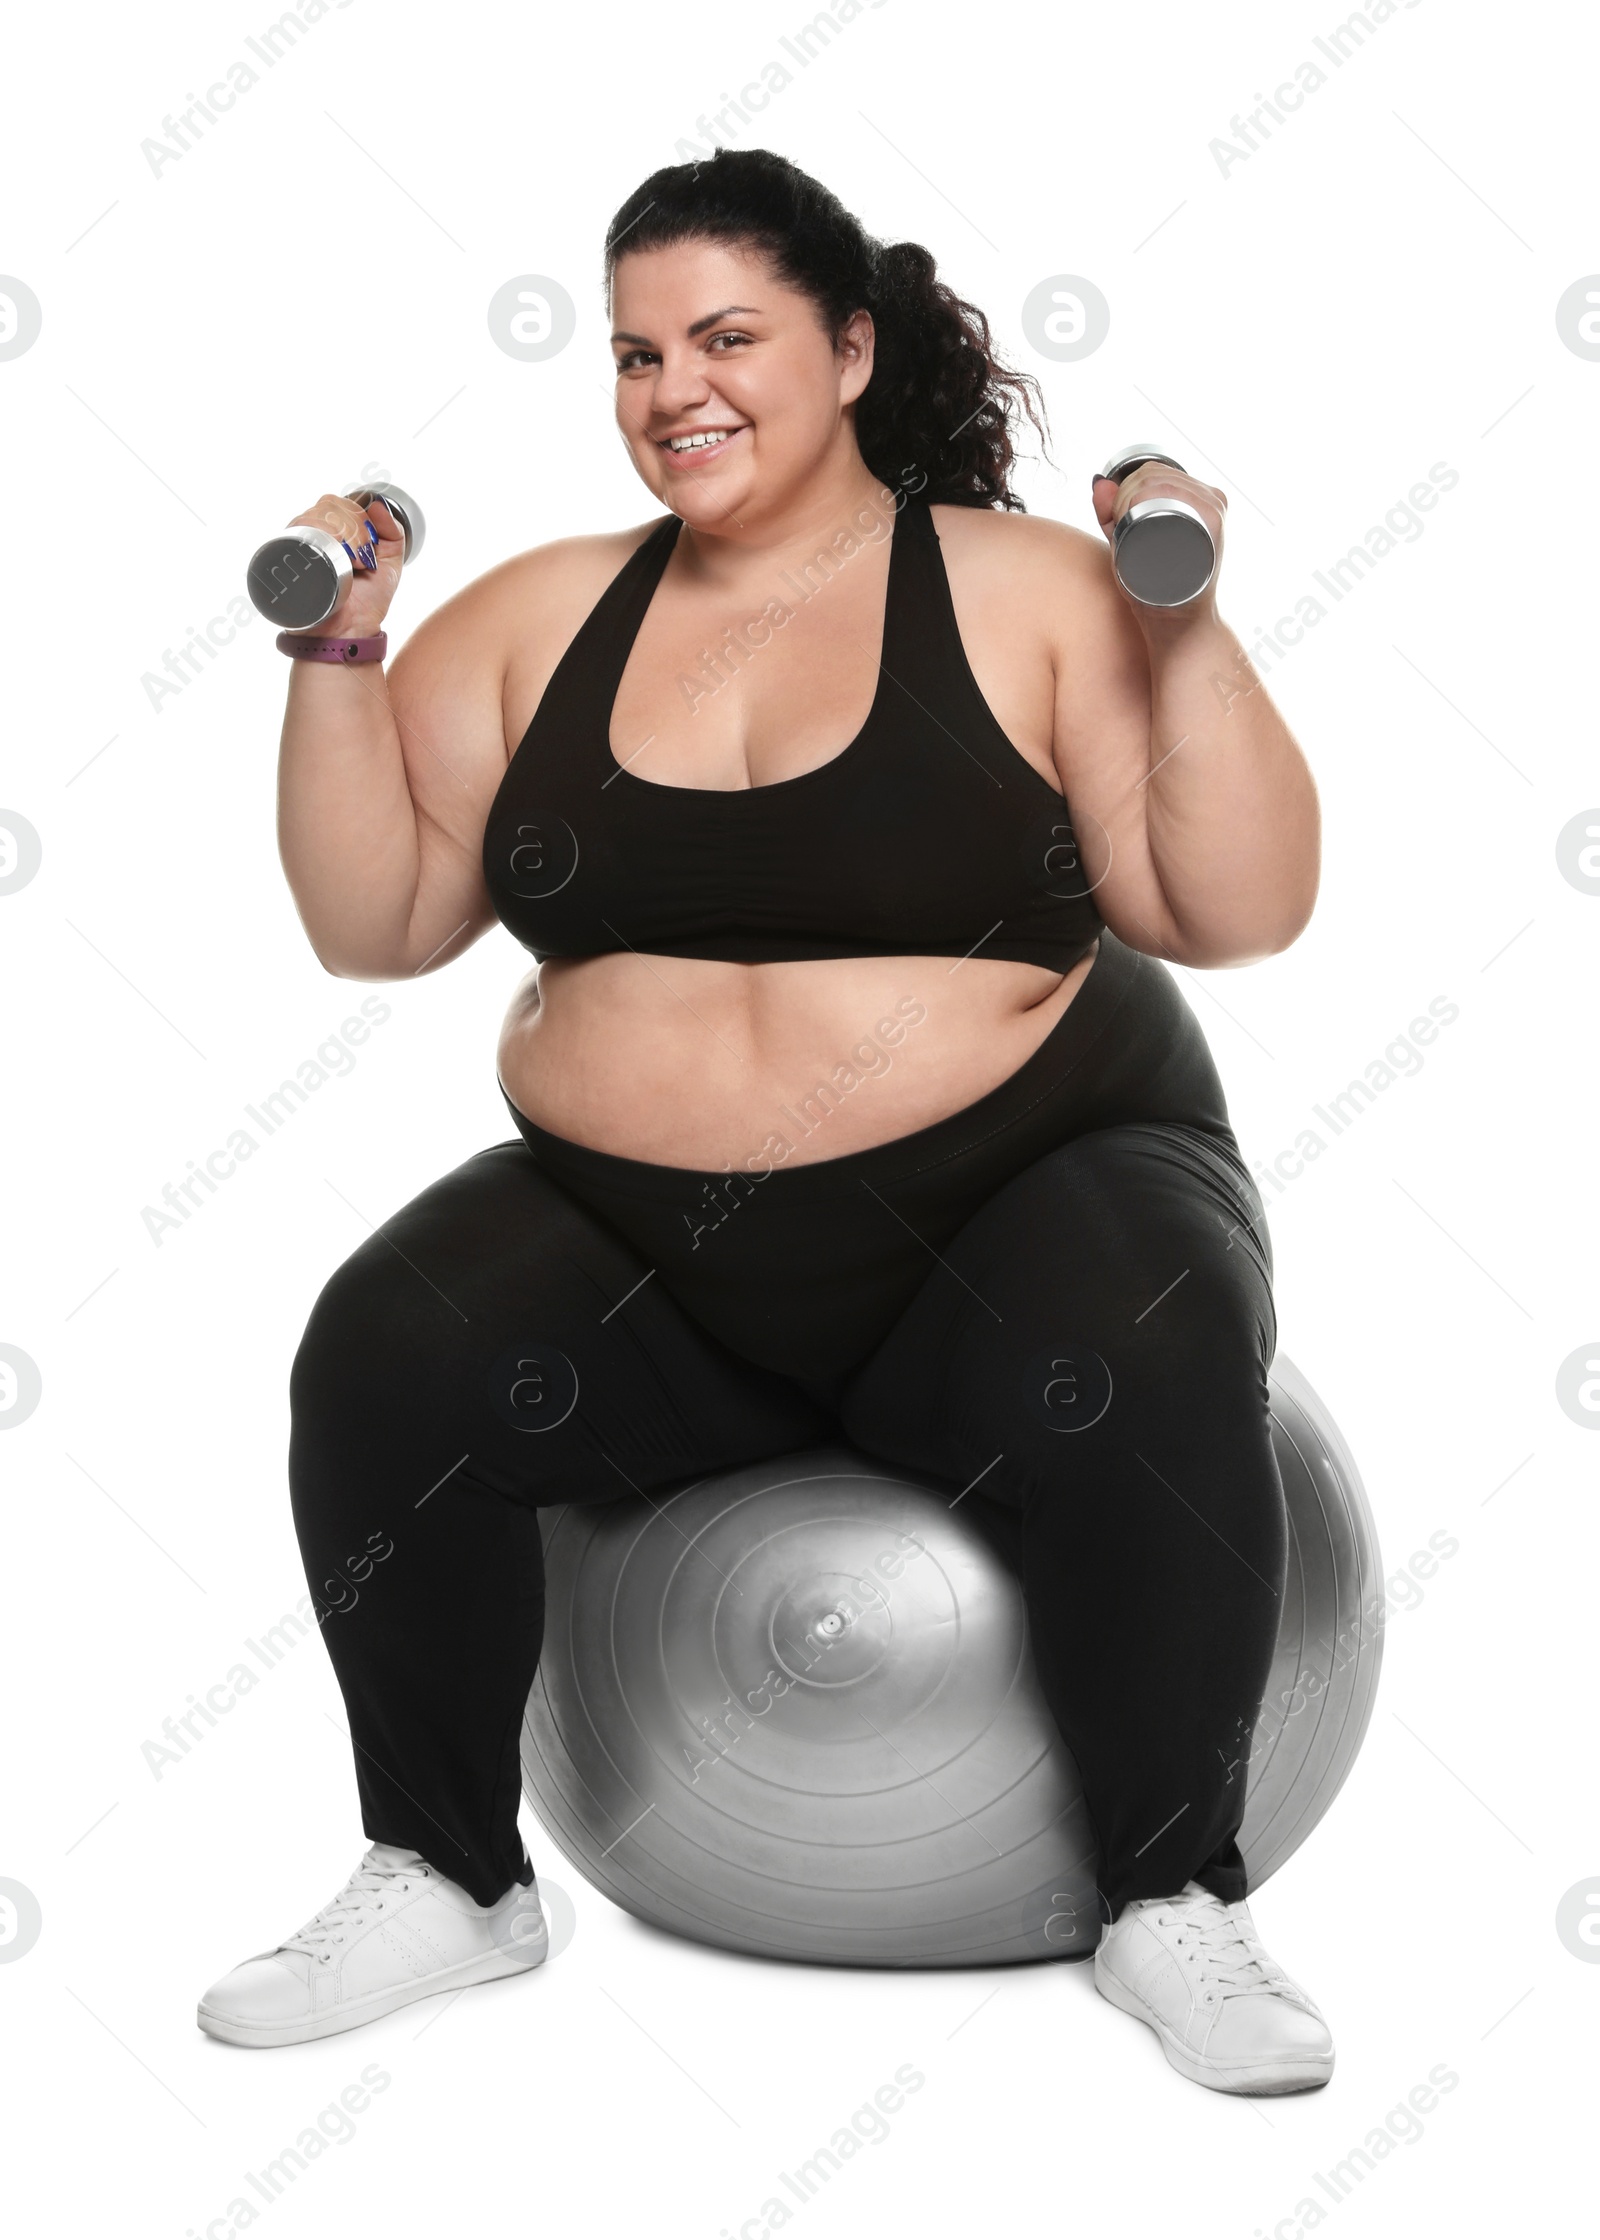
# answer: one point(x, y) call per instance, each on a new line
point(347, 826)
point(1232, 815)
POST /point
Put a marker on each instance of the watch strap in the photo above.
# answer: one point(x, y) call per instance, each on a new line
point(303, 645)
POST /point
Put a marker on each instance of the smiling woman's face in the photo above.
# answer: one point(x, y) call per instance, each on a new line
point(710, 345)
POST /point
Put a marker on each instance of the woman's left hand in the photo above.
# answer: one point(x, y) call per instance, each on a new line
point(1155, 480)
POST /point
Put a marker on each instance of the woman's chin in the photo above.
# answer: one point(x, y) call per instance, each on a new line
point(710, 503)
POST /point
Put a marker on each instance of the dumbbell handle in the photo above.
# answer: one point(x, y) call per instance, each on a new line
point(298, 577)
point(1162, 549)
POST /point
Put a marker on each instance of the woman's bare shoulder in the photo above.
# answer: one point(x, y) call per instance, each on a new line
point(1046, 575)
point(1014, 544)
point(583, 561)
point(548, 590)
point(1027, 563)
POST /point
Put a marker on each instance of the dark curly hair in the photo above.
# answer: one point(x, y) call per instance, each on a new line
point(937, 414)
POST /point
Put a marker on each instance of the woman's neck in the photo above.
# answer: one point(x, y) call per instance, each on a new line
point(843, 497)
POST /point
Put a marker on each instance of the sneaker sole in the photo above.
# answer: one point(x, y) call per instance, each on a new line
point(487, 1968)
point(1259, 2081)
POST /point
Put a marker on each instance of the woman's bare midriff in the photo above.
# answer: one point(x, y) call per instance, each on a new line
point(685, 1062)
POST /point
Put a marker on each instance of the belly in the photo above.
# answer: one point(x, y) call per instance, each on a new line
point(691, 1063)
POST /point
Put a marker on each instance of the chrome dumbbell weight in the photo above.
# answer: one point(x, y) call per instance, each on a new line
point(1161, 549)
point(297, 578)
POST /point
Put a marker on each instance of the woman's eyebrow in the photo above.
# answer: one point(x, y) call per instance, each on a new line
point(619, 334)
point(712, 317)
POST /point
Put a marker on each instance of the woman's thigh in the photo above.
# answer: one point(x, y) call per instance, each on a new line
point(495, 1329)
point(1104, 1321)
point(1089, 1364)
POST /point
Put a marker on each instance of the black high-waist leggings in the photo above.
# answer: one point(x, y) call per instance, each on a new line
point(1063, 1291)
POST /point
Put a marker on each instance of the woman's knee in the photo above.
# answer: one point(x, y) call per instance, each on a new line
point(396, 1330)
point(1140, 1232)
point(375, 1346)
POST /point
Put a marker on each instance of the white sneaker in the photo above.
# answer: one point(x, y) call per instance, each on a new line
point(1193, 1968)
point(398, 1930)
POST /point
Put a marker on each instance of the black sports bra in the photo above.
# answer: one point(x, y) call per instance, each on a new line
point(929, 835)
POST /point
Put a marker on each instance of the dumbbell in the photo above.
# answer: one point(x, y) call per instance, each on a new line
point(298, 577)
point(1161, 549)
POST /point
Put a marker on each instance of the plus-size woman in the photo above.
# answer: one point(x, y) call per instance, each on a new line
point(854, 818)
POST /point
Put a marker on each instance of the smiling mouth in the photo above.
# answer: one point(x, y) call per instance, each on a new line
point(698, 439)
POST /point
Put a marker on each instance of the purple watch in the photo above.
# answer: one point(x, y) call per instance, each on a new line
point(300, 645)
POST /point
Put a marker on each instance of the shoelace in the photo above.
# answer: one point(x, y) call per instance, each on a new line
point(365, 1892)
point(1230, 1959)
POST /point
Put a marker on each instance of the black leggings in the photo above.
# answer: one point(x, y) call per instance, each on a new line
point(1063, 1291)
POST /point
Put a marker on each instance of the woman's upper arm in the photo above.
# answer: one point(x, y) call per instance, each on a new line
point(1102, 741)
point(445, 689)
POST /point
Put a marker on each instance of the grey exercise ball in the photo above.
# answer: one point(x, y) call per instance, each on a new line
point(791, 1709)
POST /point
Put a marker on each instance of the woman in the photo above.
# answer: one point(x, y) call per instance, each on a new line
point(779, 779)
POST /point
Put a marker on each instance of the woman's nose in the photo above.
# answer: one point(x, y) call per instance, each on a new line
point(680, 385)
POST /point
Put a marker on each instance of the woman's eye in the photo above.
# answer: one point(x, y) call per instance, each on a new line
point(632, 360)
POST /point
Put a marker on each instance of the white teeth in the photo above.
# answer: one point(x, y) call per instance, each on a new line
point(698, 442)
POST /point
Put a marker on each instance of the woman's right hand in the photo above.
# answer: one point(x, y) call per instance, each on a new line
point(370, 529)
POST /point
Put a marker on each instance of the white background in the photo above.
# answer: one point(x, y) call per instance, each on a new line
point(1372, 291)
